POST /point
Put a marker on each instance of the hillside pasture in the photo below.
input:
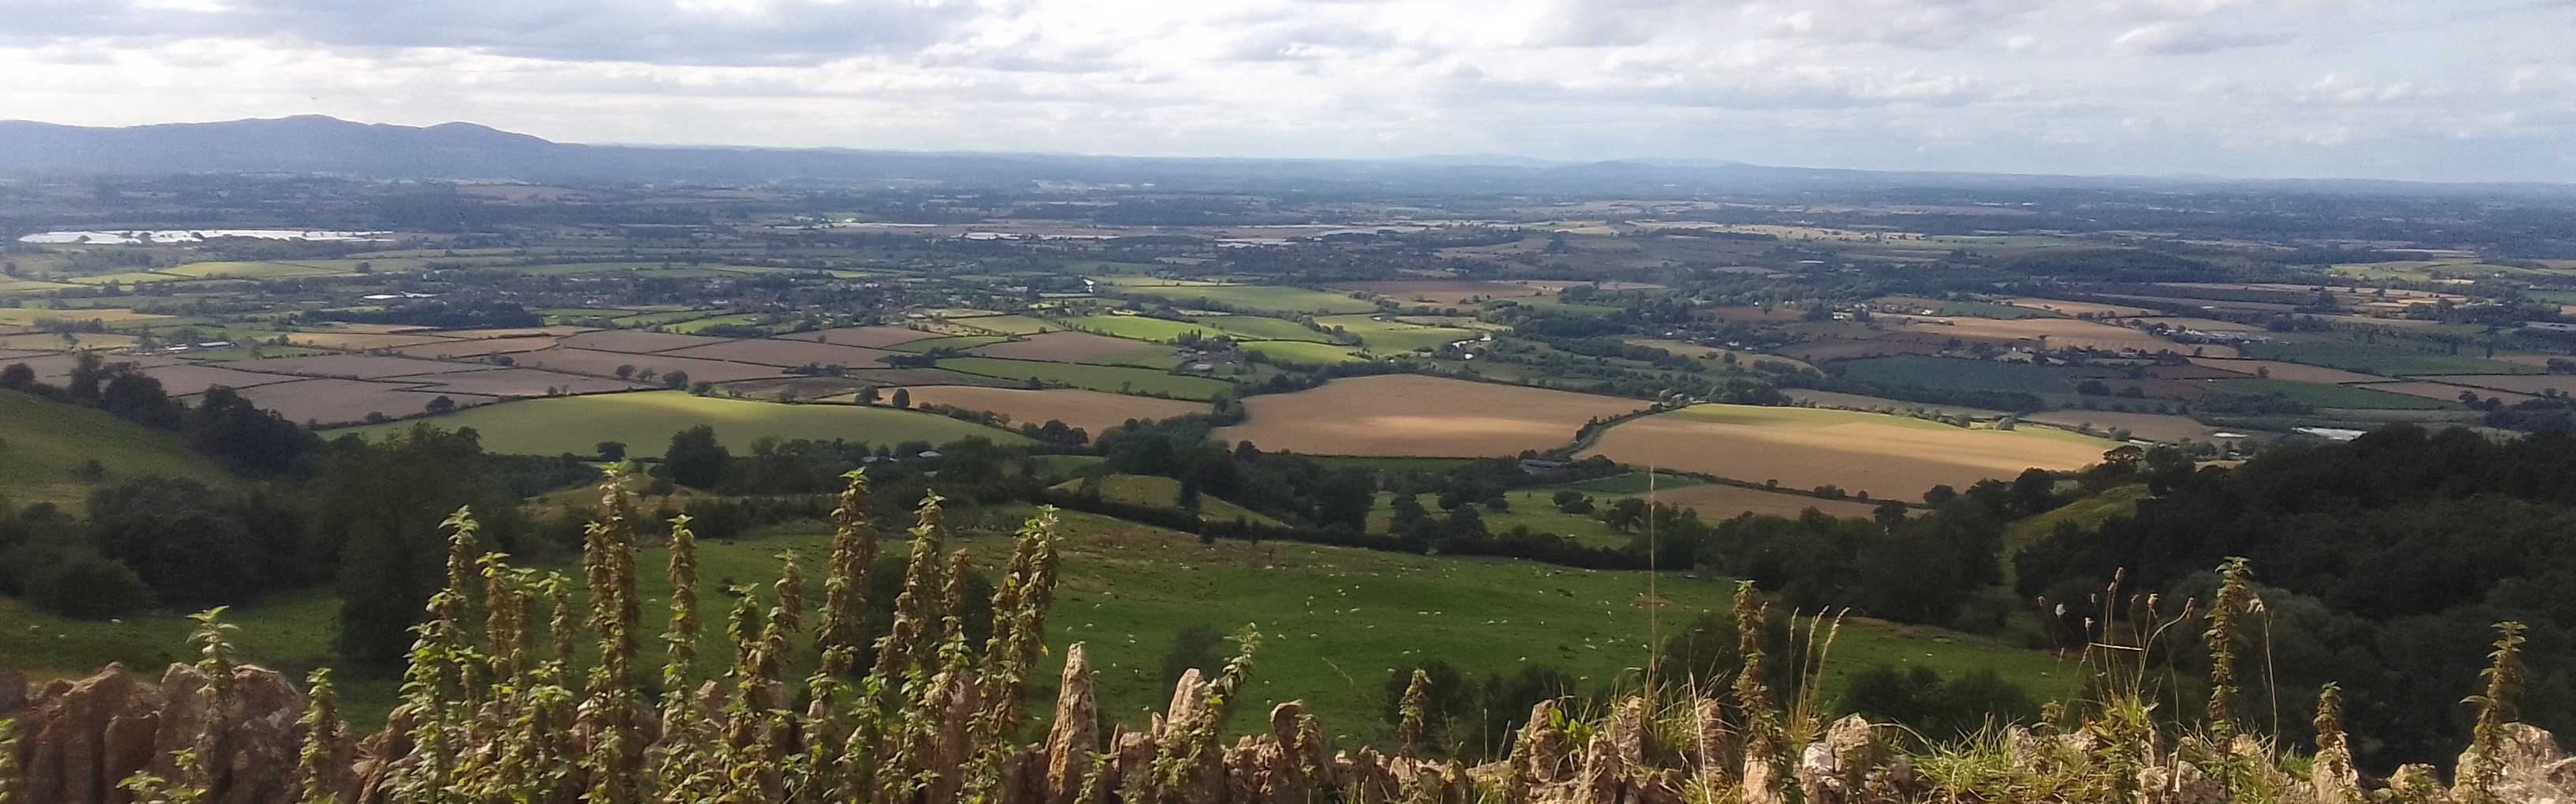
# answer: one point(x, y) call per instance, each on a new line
point(1063, 347)
point(1116, 379)
point(1093, 411)
point(1400, 415)
point(785, 353)
point(47, 442)
point(646, 420)
point(1803, 448)
point(1154, 491)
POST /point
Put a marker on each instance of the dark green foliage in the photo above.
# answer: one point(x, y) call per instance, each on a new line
point(186, 542)
point(1200, 646)
point(379, 505)
point(237, 433)
point(1938, 709)
point(2382, 561)
point(88, 587)
point(695, 459)
point(1918, 570)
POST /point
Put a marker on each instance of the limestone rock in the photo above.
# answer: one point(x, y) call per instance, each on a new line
point(1076, 733)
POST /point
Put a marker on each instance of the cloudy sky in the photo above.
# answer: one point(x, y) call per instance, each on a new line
point(2404, 89)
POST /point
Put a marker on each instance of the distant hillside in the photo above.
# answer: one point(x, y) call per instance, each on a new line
point(317, 144)
point(46, 444)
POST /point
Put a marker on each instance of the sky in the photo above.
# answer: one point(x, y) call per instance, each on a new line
point(2432, 90)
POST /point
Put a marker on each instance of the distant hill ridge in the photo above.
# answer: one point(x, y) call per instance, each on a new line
point(326, 145)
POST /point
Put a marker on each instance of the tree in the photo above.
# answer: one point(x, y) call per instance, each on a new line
point(868, 395)
point(244, 437)
point(177, 538)
point(442, 404)
point(380, 508)
point(612, 451)
point(675, 380)
point(1345, 497)
point(625, 371)
point(1188, 500)
point(695, 459)
point(89, 587)
point(903, 398)
point(1193, 647)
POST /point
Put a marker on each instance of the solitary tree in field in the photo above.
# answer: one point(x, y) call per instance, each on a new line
point(625, 372)
point(442, 404)
point(695, 458)
point(903, 398)
point(868, 395)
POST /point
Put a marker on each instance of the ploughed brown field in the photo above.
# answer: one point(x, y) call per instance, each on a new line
point(870, 337)
point(1064, 347)
point(1410, 415)
point(1892, 457)
point(771, 352)
point(1093, 411)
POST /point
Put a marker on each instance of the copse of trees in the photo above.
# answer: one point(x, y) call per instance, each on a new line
point(223, 425)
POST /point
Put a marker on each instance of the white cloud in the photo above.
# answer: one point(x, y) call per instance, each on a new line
point(2269, 87)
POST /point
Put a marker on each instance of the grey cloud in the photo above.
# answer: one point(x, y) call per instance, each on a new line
point(789, 32)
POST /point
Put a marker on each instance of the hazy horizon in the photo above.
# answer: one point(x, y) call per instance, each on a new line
point(2473, 91)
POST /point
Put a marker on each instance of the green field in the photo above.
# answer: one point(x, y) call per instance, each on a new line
point(1960, 374)
point(2390, 357)
point(1333, 621)
point(664, 318)
point(1139, 327)
point(2330, 396)
point(1535, 510)
point(1302, 352)
point(692, 327)
point(1264, 298)
point(45, 442)
point(1396, 336)
point(1162, 492)
point(1115, 379)
point(646, 420)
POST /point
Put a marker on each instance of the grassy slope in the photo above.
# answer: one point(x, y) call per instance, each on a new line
point(646, 420)
point(45, 441)
point(1164, 492)
point(1265, 298)
point(2087, 513)
point(1333, 620)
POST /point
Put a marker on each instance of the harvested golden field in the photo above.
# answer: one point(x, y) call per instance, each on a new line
point(2077, 308)
point(2447, 392)
point(1873, 404)
point(480, 347)
point(1886, 456)
point(1716, 501)
point(1443, 291)
point(786, 353)
point(2158, 427)
point(2294, 372)
point(1093, 411)
point(2050, 333)
point(1403, 415)
point(2517, 383)
point(870, 337)
point(1062, 347)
